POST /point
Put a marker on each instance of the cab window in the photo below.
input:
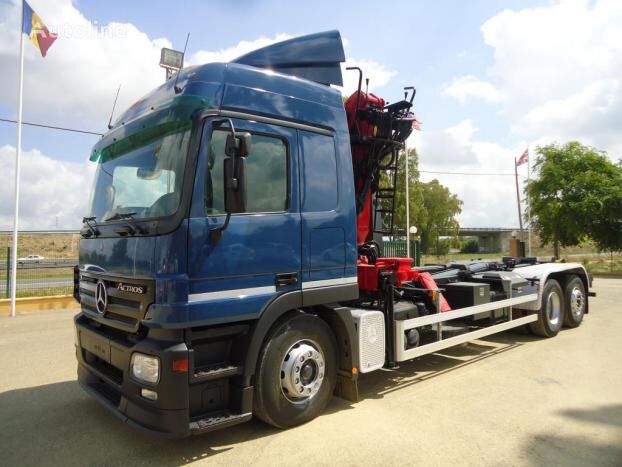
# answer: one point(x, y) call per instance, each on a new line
point(266, 174)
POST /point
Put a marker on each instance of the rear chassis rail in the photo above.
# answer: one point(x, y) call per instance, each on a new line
point(400, 327)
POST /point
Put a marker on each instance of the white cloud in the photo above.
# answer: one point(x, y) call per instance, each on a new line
point(379, 75)
point(76, 82)
point(74, 86)
point(556, 76)
point(467, 86)
point(447, 148)
point(559, 68)
point(50, 190)
point(489, 200)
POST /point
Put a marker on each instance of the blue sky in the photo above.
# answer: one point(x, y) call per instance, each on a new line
point(492, 77)
point(426, 43)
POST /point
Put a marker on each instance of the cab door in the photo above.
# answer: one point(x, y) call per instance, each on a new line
point(258, 256)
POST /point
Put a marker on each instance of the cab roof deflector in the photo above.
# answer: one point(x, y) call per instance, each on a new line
point(315, 57)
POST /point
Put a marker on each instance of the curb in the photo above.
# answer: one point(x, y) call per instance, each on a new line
point(30, 304)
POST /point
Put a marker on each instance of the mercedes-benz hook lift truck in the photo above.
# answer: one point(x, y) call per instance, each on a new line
point(228, 265)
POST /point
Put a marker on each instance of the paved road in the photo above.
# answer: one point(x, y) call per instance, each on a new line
point(509, 400)
point(45, 264)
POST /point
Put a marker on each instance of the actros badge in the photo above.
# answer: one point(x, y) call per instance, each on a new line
point(130, 288)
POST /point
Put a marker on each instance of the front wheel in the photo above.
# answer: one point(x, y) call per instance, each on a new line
point(551, 314)
point(296, 373)
point(574, 293)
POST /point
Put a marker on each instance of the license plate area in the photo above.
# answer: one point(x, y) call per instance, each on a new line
point(97, 345)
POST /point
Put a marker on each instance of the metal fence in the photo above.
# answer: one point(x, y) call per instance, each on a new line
point(398, 248)
point(50, 273)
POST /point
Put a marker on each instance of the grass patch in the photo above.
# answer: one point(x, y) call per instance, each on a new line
point(596, 264)
point(40, 273)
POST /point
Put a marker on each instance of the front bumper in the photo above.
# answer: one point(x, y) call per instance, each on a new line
point(104, 372)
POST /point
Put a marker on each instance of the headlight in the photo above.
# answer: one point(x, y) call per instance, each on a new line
point(145, 367)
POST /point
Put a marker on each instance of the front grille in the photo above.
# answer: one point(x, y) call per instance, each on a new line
point(124, 309)
point(121, 318)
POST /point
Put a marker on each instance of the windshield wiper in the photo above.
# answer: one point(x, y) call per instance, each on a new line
point(91, 230)
point(131, 227)
point(121, 217)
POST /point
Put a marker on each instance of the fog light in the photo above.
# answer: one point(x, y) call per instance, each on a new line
point(149, 394)
point(145, 367)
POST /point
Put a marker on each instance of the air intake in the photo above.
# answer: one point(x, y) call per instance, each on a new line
point(370, 328)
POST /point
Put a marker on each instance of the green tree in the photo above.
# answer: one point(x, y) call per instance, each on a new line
point(577, 195)
point(400, 194)
point(437, 214)
point(606, 229)
point(433, 207)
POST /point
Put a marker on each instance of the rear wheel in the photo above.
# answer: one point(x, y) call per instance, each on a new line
point(574, 294)
point(296, 373)
point(551, 314)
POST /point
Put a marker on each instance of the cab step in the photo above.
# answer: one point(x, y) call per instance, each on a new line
point(217, 421)
point(214, 372)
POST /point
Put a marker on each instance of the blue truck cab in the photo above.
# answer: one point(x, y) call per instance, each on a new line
point(180, 284)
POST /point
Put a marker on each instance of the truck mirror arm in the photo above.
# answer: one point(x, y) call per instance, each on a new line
point(215, 234)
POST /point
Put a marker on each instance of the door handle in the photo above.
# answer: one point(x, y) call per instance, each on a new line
point(286, 278)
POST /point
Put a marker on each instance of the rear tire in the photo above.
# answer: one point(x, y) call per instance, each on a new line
point(575, 302)
point(296, 373)
point(551, 313)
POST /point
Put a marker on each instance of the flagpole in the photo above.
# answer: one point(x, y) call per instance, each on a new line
point(520, 218)
point(407, 205)
point(17, 165)
point(528, 202)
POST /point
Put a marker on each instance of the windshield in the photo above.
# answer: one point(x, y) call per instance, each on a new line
point(142, 182)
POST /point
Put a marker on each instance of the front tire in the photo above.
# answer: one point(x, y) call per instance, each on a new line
point(296, 373)
point(551, 313)
point(575, 300)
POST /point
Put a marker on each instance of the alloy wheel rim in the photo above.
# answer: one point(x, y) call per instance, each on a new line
point(302, 371)
point(553, 309)
point(577, 302)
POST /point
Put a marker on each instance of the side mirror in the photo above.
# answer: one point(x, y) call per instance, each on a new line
point(238, 144)
point(235, 185)
point(237, 147)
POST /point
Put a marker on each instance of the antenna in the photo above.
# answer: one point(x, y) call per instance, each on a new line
point(178, 89)
point(113, 107)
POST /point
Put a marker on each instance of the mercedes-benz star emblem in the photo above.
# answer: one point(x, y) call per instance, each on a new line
point(101, 297)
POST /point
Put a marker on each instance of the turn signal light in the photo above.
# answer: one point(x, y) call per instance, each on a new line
point(180, 365)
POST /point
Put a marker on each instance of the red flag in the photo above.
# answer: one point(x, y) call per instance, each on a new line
point(523, 158)
point(416, 124)
point(37, 31)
